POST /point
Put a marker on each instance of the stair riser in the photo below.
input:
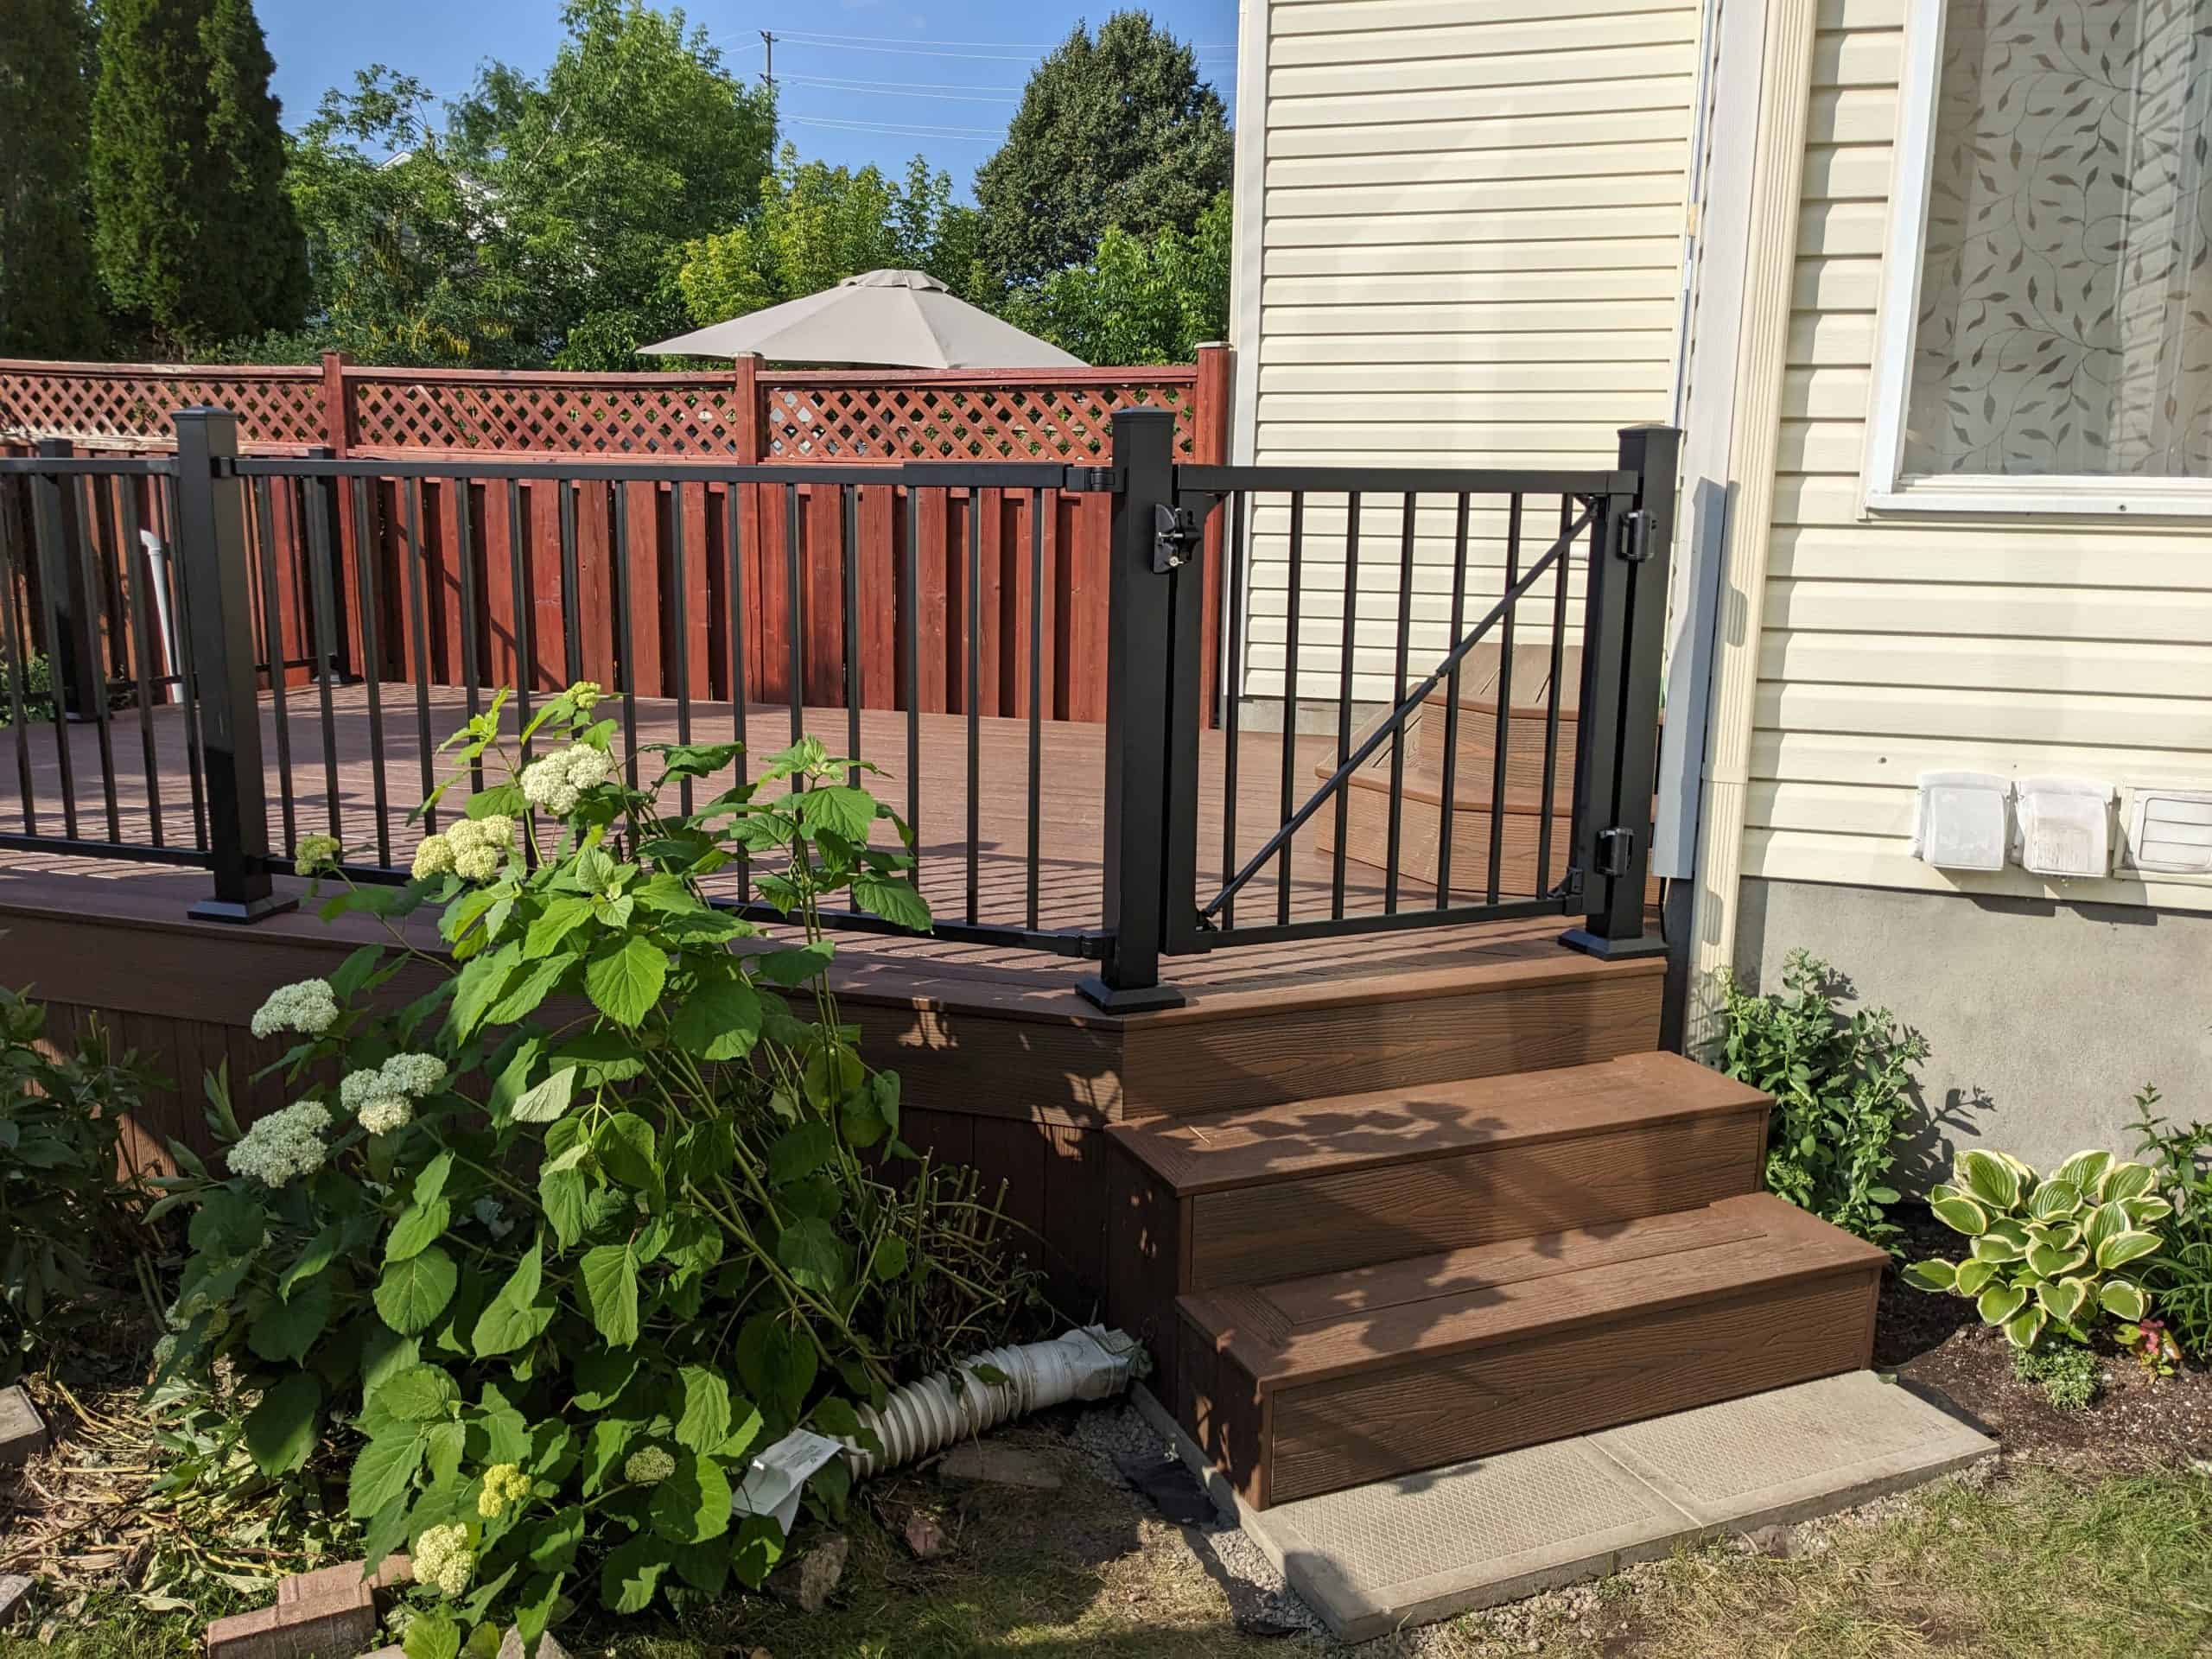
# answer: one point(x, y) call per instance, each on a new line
point(1524, 751)
point(1367, 841)
point(1357, 1217)
point(1297, 1442)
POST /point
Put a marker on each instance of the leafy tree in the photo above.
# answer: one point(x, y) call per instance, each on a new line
point(1137, 301)
point(194, 235)
point(818, 225)
point(1115, 130)
point(49, 300)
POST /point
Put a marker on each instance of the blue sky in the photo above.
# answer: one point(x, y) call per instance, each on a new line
point(874, 81)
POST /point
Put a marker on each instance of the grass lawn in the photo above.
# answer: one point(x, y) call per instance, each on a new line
point(2038, 1562)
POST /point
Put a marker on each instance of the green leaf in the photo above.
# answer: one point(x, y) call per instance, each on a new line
point(705, 1422)
point(893, 899)
point(479, 985)
point(2055, 1201)
point(797, 965)
point(553, 1542)
point(811, 1252)
point(720, 1020)
point(627, 1148)
point(549, 1100)
point(418, 1394)
point(625, 984)
point(692, 1504)
point(610, 1282)
point(286, 1331)
point(2123, 1181)
point(2123, 1299)
point(2049, 1260)
point(800, 1151)
point(384, 1470)
point(280, 1430)
point(1960, 1215)
point(1990, 1179)
point(322, 1250)
point(525, 990)
point(2107, 1221)
point(631, 1574)
point(1999, 1303)
point(777, 1363)
point(2083, 1171)
point(891, 1260)
point(561, 916)
point(1973, 1275)
point(420, 1225)
point(568, 1203)
point(415, 1292)
point(430, 1182)
point(2122, 1247)
point(2061, 1299)
point(2023, 1327)
point(1927, 1275)
point(840, 808)
point(600, 1376)
point(431, 1636)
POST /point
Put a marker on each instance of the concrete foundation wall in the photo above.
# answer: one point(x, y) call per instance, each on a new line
point(2043, 1019)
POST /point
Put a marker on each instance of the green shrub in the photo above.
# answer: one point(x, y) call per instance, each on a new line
point(1841, 1088)
point(2180, 1275)
point(2048, 1251)
point(70, 1233)
point(601, 1213)
point(2066, 1376)
point(37, 691)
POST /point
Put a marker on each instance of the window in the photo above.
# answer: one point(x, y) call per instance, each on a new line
point(2045, 342)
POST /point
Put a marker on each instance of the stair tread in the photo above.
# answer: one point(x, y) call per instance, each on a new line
point(1263, 1144)
point(1471, 785)
point(1299, 1331)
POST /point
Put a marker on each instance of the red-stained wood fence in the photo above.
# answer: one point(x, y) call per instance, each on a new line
point(498, 552)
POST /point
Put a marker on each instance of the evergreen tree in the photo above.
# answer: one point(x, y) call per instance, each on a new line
point(1117, 130)
point(49, 302)
point(195, 236)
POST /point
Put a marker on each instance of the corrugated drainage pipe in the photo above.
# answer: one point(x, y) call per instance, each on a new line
point(993, 1386)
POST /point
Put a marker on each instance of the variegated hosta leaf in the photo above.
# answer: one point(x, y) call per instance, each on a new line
point(1998, 1247)
point(2122, 1247)
point(2125, 1181)
point(2084, 1170)
point(1934, 1273)
point(2123, 1299)
point(2023, 1327)
point(1999, 1303)
point(1990, 1179)
point(1973, 1275)
point(2106, 1221)
point(2061, 1299)
point(2147, 1209)
point(2051, 1261)
point(2054, 1200)
point(1960, 1215)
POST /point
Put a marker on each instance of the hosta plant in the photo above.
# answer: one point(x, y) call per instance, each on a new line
point(569, 1219)
point(2059, 1252)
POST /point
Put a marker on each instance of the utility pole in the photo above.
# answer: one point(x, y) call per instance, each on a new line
point(768, 67)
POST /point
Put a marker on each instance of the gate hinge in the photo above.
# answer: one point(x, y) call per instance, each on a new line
point(1616, 849)
point(1636, 535)
point(1175, 531)
point(1104, 480)
point(1570, 884)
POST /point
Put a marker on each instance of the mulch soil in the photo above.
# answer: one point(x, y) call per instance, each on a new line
point(1936, 1341)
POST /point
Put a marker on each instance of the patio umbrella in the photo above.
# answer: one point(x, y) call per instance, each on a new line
point(898, 319)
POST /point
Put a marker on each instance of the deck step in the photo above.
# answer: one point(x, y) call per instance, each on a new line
point(1310, 1384)
point(1234, 1198)
point(1420, 818)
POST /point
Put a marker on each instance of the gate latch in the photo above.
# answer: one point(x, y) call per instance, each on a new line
point(1175, 531)
point(1636, 535)
point(1616, 847)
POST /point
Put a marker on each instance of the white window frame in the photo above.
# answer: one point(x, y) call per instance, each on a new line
point(1884, 487)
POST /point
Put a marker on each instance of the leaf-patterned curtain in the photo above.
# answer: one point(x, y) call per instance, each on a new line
point(2065, 318)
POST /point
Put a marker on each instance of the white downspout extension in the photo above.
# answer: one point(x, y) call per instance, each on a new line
point(1778, 170)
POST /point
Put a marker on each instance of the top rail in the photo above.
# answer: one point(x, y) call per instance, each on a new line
point(1397, 480)
point(988, 474)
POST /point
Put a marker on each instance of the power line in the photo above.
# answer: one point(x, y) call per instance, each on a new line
point(923, 39)
point(914, 51)
point(893, 89)
point(981, 135)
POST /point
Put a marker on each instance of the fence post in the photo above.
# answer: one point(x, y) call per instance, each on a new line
point(1210, 410)
point(211, 565)
point(58, 531)
point(323, 521)
point(1617, 747)
point(1139, 640)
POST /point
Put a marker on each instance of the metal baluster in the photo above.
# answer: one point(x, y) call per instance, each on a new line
point(849, 578)
point(974, 689)
point(263, 499)
point(1290, 698)
point(1347, 663)
point(1502, 742)
point(679, 615)
point(795, 616)
point(472, 657)
point(419, 618)
point(1559, 569)
point(134, 559)
point(1397, 697)
point(733, 533)
point(1452, 704)
point(911, 630)
point(92, 522)
point(13, 583)
point(619, 515)
point(1036, 686)
point(368, 554)
point(1232, 685)
point(187, 687)
point(572, 628)
point(314, 502)
point(49, 498)
point(520, 587)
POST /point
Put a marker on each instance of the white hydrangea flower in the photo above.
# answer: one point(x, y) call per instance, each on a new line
point(444, 1559)
point(556, 782)
point(309, 1006)
point(433, 857)
point(383, 1097)
point(284, 1144)
point(386, 1114)
point(648, 1466)
point(316, 854)
point(413, 1075)
point(479, 846)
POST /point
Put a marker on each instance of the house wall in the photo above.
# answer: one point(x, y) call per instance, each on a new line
point(1463, 249)
point(1895, 645)
point(2017, 645)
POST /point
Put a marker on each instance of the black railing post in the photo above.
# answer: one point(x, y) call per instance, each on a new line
point(211, 567)
point(325, 550)
point(1141, 609)
point(58, 531)
point(1616, 761)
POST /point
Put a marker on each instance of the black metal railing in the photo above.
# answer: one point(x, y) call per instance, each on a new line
point(343, 606)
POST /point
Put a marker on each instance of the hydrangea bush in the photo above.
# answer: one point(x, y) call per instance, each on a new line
point(570, 1218)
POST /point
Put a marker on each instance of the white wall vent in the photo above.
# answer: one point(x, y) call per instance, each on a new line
point(2065, 827)
point(1960, 823)
point(2170, 829)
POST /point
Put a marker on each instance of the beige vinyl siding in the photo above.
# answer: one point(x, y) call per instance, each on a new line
point(1470, 256)
point(1907, 644)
